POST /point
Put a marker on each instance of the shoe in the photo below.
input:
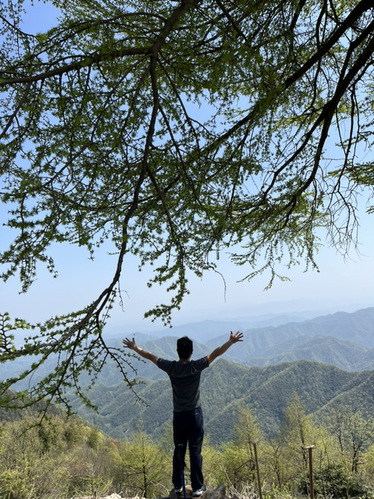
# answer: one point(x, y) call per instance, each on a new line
point(199, 492)
point(178, 490)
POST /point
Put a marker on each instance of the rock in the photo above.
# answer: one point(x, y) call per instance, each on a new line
point(217, 493)
point(173, 495)
point(112, 496)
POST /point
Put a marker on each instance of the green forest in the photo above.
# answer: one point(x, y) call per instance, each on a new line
point(63, 457)
point(224, 387)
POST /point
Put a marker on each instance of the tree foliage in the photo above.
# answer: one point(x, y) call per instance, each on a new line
point(64, 457)
point(175, 130)
point(146, 465)
point(353, 432)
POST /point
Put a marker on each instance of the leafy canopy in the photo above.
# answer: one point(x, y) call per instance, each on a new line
point(174, 130)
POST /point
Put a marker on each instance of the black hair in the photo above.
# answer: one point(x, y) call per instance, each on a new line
point(184, 347)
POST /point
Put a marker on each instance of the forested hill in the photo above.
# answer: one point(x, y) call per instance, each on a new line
point(342, 339)
point(225, 386)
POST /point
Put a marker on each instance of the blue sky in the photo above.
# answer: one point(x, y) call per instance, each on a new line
point(342, 284)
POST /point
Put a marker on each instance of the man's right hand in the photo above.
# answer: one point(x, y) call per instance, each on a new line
point(129, 343)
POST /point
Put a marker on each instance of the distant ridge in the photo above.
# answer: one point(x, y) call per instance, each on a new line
point(209, 329)
point(344, 340)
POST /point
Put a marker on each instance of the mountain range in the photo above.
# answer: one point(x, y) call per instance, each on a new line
point(344, 340)
point(328, 361)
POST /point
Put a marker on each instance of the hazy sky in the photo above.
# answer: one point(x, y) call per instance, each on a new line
point(340, 285)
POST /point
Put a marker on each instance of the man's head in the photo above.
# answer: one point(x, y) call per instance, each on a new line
point(184, 348)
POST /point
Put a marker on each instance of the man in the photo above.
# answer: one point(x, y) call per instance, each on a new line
point(187, 417)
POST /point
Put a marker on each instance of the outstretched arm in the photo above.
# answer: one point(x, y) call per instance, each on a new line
point(143, 353)
point(234, 338)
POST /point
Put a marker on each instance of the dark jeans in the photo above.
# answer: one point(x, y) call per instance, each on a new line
point(188, 427)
